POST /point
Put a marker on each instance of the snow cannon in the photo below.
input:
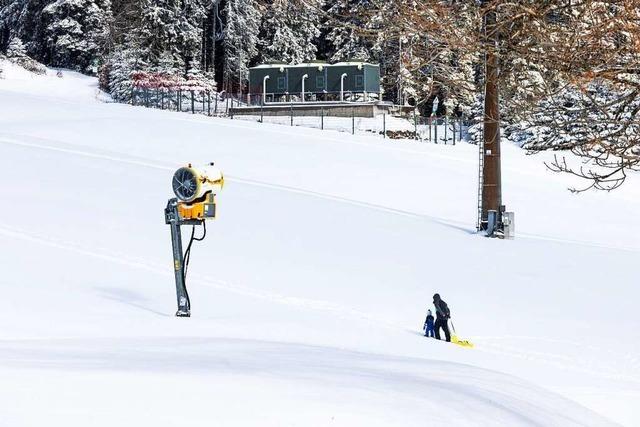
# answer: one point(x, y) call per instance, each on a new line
point(191, 183)
point(195, 190)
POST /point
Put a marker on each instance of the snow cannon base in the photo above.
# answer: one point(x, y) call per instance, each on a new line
point(199, 209)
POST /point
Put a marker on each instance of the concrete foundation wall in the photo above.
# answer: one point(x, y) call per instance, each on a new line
point(299, 110)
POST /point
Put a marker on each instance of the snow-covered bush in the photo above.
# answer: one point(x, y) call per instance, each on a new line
point(32, 65)
point(16, 53)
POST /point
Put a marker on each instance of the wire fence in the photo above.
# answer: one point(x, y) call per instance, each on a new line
point(437, 130)
point(188, 101)
point(440, 130)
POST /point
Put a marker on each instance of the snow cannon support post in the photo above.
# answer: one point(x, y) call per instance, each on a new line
point(195, 190)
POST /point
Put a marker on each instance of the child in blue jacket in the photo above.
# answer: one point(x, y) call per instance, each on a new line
point(428, 325)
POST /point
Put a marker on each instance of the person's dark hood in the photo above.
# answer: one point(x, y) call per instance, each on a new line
point(436, 297)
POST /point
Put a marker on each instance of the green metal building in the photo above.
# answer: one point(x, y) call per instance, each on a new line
point(344, 81)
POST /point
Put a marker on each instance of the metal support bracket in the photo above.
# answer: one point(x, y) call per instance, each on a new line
point(173, 219)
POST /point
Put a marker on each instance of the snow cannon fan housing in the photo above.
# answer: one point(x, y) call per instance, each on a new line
point(196, 189)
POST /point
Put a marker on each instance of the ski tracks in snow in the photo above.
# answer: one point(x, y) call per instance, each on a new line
point(63, 147)
point(105, 254)
point(618, 370)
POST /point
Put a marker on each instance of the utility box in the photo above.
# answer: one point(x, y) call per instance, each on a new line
point(508, 225)
point(492, 223)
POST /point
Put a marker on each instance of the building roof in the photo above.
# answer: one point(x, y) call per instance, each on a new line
point(311, 64)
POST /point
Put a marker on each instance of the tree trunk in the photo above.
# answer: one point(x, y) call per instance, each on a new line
point(212, 38)
point(491, 175)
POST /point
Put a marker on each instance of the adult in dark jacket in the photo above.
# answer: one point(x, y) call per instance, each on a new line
point(442, 317)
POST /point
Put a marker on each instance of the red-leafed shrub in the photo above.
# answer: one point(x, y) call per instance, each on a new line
point(150, 80)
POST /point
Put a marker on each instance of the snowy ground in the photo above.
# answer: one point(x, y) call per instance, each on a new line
point(309, 292)
point(375, 125)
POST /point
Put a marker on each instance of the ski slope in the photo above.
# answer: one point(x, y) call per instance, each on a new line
point(310, 289)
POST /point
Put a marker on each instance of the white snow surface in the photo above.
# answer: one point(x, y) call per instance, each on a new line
point(310, 289)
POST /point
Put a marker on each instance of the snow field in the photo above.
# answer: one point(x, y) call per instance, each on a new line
point(311, 286)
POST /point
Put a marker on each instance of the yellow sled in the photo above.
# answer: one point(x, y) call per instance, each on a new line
point(456, 340)
point(462, 343)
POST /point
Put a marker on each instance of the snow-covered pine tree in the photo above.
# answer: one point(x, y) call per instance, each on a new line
point(402, 80)
point(170, 31)
point(157, 32)
point(16, 53)
point(418, 62)
point(23, 18)
point(116, 73)
point(164, 47)
point(344, 22)
point(75, 31)
point(16, 48)
point(192, 16)
point(290, 30)
point(240, 43)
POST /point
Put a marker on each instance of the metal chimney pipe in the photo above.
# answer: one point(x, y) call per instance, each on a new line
point(264, 89)
point(303, 79)
point(342, 86)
